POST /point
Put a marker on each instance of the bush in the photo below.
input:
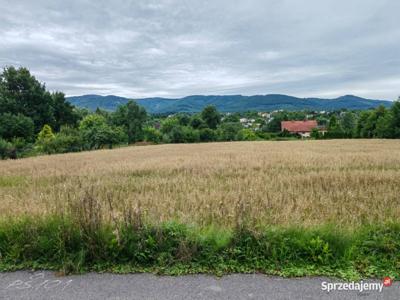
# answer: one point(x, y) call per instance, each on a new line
point(184, 134)
point(97, 134)
point(17, 148)
point(23, 148)
point(70, 139)
point(264, 135)
point(315, 134)
point(16, 126)
point(67, 140)
point(229, 131)
point(169, 124)
point(246, 135)
point(197, 123)
point(5, 149)
point(177, 135)
point(207, 135)
point(152, 135)
point(191, 135)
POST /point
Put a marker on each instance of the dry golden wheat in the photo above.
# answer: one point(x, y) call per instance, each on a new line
point(345, 182)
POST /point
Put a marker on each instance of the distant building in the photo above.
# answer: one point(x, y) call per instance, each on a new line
point(247, 123)
point(265, 115)
point(302, 128)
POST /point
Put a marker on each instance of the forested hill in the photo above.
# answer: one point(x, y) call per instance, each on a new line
point(229, 103)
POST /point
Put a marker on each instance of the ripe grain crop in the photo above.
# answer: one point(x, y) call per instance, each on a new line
point(289, 183)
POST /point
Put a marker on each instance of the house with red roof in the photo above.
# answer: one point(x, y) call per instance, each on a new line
point(302, 128)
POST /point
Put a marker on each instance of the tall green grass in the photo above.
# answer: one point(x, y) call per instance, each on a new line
point(60, 243)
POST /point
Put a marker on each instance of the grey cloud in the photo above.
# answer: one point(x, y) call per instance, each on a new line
point(177, 48)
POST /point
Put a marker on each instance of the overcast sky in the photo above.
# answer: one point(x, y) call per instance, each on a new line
point(324, 48)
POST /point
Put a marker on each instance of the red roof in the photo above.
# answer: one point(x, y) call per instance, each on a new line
point(299, 126)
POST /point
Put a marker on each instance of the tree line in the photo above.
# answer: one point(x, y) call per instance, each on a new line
point(34, 121)
point(378, 123)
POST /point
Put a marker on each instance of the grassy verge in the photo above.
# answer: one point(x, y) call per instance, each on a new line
point(59, 243)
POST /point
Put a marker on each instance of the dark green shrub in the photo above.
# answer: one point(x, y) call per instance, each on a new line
point(5, 149)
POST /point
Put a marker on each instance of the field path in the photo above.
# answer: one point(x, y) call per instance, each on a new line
point(46, 285)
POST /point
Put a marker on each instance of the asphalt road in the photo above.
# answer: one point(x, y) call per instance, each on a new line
point(46, 285)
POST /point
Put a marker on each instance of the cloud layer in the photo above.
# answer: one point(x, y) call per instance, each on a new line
point(177, 48)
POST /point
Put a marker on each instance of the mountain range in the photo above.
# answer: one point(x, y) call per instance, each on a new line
point(229, 103)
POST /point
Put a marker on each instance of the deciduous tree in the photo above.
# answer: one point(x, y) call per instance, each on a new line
point(131, 117)
point(211, 116)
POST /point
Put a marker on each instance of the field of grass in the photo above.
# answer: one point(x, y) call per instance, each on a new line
point(290, 208)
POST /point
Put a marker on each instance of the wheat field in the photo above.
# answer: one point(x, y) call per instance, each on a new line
point(300, 183)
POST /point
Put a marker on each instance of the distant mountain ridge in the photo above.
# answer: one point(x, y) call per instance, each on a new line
point(229, 103)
